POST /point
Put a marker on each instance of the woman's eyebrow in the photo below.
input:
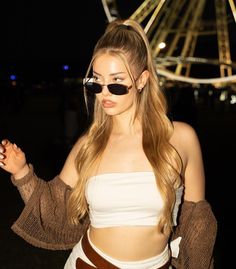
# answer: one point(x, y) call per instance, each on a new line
point(112, 74)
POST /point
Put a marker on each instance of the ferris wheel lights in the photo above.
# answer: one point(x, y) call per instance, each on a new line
point(195, 85)
point(162, 45)
point(217, 85)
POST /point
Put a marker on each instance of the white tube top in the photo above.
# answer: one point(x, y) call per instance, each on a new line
point(126, 199)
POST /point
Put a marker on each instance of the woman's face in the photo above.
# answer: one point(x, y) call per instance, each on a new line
point(109, 69)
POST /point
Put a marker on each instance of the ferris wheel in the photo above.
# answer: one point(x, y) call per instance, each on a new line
point(174, 28)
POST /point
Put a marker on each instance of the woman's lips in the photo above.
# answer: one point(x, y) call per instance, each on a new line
point(108, 103)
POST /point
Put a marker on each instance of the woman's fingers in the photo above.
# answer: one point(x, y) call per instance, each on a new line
point(12, 158)
point(2, 157)
point(2, 150)
point(6, 152)
point(5, 142)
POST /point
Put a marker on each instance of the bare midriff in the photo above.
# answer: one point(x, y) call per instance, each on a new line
point(129, 243)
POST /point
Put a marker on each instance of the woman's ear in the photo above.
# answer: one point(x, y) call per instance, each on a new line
point(142, 80)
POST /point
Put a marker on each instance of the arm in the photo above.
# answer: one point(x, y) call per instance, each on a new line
point(197, 224)
point(43, 222)
point(13, 160)
point(186, 142)
point(198, 229)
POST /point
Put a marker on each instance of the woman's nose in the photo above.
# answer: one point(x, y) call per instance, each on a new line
point(105, 90)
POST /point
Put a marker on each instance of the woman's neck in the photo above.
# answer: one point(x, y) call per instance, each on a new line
point(126, 126)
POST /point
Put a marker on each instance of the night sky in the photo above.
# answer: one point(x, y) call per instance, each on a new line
point(42, 34)
point(43, 30)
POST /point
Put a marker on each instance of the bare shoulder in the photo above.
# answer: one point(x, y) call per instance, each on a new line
point(77, 146)
point(184, 139)
point(69, 171)
point(186, 142)
point(184, 132)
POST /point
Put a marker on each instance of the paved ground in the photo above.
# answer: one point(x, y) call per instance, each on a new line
point(36, 124)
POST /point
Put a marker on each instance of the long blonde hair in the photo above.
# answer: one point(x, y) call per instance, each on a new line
point(127, 40)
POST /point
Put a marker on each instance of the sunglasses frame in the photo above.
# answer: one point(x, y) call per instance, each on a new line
point(109, 87)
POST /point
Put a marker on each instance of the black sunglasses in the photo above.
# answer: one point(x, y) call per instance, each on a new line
point(114, 88)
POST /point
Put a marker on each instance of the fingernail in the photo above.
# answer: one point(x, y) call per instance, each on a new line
point(1, 164)
point(15, 145)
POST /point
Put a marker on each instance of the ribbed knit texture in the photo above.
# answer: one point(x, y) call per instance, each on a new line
point(43, 222)
point(198, 228)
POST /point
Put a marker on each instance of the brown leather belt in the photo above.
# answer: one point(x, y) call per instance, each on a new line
point(98, 260)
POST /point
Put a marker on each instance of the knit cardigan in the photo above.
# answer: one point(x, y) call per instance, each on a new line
point(43, 222)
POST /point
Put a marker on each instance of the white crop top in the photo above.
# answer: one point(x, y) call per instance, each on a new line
point(123, 199)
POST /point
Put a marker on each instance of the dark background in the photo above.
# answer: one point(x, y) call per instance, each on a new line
point(38, 37)
point(44, 112)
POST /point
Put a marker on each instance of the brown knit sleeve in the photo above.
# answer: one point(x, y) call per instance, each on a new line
point(26, 184)
point(198, 229)
point(43, 222)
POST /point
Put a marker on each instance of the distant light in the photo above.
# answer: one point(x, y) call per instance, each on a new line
point(12, 77)
point(223, 96)
point(162, 45)
point(233, 99)
point(161, 83)
point(13, 83)
point(210, 93)
point(65, 67)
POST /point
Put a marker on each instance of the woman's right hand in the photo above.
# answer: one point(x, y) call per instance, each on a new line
point(12, 159)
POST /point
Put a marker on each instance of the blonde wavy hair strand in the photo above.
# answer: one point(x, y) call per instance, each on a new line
point(127, 40)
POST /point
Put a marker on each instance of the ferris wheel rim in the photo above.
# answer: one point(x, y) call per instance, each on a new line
point(164, 61)
point(194, 80)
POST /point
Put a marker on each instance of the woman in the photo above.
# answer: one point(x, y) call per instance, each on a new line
point(129, 173)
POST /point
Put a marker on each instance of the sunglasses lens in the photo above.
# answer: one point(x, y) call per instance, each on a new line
point(93, 87)
point(117, 89)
